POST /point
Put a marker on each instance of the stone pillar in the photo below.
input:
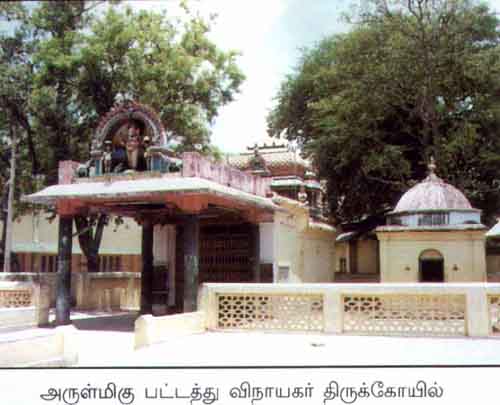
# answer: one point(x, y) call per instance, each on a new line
point(146, 306)
point(333, 311)
point(255, 235)
point(477, 312)
point(63, 282)
point(191, 241)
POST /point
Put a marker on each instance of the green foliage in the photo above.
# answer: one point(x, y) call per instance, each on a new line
point(412, 79)
point(65, 64)
point(171, 66)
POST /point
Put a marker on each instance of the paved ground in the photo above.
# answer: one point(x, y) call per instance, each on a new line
point(106, 340)
point(300, 349)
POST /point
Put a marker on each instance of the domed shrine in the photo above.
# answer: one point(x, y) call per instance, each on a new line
point(432, 235)
point(433, 202)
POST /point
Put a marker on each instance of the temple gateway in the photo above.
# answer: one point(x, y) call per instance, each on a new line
point(256, 218)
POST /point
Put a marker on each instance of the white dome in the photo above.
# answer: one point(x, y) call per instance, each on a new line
point(432, 194)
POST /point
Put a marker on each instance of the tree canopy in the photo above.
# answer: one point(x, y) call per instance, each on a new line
point(411, 80)
point(64, 64)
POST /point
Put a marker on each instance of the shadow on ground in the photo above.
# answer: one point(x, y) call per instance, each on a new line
point(112, 323)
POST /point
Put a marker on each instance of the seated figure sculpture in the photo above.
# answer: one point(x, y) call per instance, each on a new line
point(129, 138)
point(128, 154)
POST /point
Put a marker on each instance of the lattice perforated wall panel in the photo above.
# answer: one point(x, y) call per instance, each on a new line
point(494, 310)
point(15, 298)
point(282, 312)
point(416, 315)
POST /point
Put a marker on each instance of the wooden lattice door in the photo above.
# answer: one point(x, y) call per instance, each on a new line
point(226, 253)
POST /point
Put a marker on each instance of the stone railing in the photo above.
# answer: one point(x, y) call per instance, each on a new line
point(108, 291)
point(48, 280)
point(23, 304)
point(90, 291)
point(16, 296)
point(494, 312)
point(302, 312)
point(364, 309)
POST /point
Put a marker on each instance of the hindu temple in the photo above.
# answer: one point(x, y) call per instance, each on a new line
point(257, 217)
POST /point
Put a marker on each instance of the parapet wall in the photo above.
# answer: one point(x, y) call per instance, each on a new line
point(89, 291)
point(195, 165)
point(356, 309)
point(364, 309)
point(108, 291)
point(23, 304)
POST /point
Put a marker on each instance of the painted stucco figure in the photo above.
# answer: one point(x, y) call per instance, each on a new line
point(123, 137)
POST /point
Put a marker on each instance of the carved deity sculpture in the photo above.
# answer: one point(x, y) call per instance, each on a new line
point(257, 163)
point(135, 148)
point(107, 156)
point(146, 143)
point(130, 129)
point(132, 146)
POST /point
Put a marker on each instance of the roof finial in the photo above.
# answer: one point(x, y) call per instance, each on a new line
point(432, 165)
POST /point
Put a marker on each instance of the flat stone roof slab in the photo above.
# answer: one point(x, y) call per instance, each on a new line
point(124, 189)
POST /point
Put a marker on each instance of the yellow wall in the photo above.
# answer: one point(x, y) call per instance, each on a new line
point(126, 240)
point(367, 256)
point(400, 251)
point(286, 246)
point(493, 264)
point(309, 253)
point(319, 257)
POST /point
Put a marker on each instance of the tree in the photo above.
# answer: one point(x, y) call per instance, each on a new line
point(175, 69)
point(65, 64)
point(411, 80)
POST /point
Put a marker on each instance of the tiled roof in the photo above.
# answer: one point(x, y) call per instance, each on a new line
point(272, 159)
point(286, 182)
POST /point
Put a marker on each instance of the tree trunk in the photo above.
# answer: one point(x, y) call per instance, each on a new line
point(10, 206)
point(92, 261)
point(4, 236)
point(90, 239)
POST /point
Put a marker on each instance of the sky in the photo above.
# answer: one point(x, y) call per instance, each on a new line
point(269, 34)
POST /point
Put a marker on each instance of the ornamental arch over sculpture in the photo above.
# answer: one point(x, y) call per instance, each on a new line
point(130, 138)
point(130, 111)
